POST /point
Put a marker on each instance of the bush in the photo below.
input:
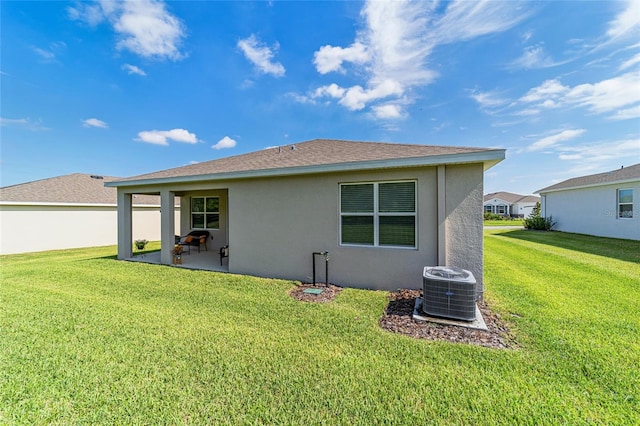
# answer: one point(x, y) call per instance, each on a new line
point(536, 222)
point(492, 216)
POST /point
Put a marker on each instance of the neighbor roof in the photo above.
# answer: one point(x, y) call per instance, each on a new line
point(320, 155)
point(511, 198)
point(631, 173)
point(75, 188)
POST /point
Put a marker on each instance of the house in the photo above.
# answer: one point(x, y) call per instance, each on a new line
point(69, 211)
point(605, 204)
point(509, 204)
point(382, 211)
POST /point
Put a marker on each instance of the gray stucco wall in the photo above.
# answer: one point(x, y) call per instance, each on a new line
point(277, 224)
point(465, 243)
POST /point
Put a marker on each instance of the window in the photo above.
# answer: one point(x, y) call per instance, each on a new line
point(205, 213)
point(501, 209)
point(625, 203)
point(378, 214)
point(488, 208)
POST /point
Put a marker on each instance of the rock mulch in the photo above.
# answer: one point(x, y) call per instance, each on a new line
point(398, 318)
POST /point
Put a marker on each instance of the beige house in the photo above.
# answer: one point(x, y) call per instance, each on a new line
point(603, 204)
point(382, 211)
point(69, 211)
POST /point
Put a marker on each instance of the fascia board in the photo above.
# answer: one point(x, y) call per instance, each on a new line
point(488, 158)
point(54, 204)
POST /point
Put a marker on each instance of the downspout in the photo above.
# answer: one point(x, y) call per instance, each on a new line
point(442, 216)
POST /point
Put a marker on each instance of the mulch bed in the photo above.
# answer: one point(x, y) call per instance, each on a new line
point(398, 318)
point(328, 293)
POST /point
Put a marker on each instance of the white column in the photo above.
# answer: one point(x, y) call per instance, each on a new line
point(167, 225)
point(125, 234)
point(442, 217)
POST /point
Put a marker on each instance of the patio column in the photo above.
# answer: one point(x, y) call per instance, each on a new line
point(125, 233)
point(442, 216)
point(167, 225)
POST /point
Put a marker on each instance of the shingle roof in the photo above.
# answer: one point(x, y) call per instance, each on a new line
point(75, 188)
point(511, 198)
point(316, 152)
point(622, 174)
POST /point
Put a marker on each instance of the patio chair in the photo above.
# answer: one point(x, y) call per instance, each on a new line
point(194, 238)
point(224, 252)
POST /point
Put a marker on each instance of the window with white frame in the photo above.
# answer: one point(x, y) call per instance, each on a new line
point(205, 213)
point(501, 209)
point(625, 203)
point(488, 208)
point(378, 214)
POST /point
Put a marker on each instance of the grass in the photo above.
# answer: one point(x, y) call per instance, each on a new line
point(88, 339)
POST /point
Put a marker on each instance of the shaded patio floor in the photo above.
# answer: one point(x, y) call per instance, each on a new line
point(205, 260)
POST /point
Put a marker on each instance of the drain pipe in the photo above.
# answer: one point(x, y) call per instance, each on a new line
point(326, 266)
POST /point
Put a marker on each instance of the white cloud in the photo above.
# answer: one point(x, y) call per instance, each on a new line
point(534, 57)
point(225, 142)
point(591, 155)
point(13, 121)
point(44, 54)
point(26, 123)
point(261, 56)
point(330, 58)
point(626, 114)
point(630, 62)
point(488, 100)
point(397, 40)
point(548, 89)
point(619, 95)
point(554, 139)
point(132, 69)
point(388, 111)
point(355, 98)
point(607, 95)
point(143, 27)
point(332, 90)
point(626, 20)
point(94, 122)
point(162, 137)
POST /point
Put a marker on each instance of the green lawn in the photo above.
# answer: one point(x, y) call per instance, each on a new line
point(86, 339)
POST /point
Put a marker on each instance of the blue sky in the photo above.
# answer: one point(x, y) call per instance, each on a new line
point(124, 88)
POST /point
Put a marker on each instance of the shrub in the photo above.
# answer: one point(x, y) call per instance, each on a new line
point(492, 216)
point(537, 222)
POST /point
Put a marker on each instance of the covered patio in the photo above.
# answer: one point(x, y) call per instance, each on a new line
point(205, 260)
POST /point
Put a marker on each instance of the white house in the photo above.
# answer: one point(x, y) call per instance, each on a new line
point(509, 204)
point(382, 211)
point(69, 211)
point(604, 204)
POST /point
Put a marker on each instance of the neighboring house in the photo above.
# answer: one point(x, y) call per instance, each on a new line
point(604, 204)
point(382, 211)
point(69, 211)
point(509, 204)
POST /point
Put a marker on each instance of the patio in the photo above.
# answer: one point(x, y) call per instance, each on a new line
point(205, 260)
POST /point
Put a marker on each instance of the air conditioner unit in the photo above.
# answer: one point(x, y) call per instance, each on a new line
point(449, 292)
